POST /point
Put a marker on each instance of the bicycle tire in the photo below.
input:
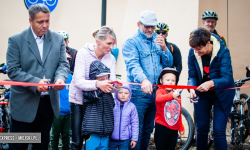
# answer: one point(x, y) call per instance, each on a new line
point(184, 142)
point(243, 98)
point(7, 121)
point(236, 131)
point(239, 145)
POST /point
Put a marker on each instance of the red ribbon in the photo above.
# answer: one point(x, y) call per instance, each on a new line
point(15, 83)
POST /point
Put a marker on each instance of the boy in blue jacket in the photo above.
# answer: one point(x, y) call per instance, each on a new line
point(61, 125)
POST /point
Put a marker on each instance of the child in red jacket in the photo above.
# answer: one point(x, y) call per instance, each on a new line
point(168, 114)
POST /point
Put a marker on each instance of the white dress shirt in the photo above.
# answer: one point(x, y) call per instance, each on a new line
point(39, 42)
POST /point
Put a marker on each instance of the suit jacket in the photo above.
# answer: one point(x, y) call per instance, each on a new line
point(25, 65)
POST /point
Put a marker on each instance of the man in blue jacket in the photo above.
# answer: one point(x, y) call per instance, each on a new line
point(209, 66)
point(145, 56)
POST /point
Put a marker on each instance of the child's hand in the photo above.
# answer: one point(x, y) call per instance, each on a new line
point(181, 133)
point(105, 86)
point(176, 94)
point(133, 144)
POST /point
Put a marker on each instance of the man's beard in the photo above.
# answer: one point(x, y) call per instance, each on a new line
point(148, 36)
point(211, 30)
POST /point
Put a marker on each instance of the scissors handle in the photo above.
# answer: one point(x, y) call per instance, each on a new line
point(180, 92)
point(48, 83)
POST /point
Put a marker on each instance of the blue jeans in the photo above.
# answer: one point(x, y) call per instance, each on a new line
point(202, 116)
point(145, 105)
point(96, 142)
point(119, 144)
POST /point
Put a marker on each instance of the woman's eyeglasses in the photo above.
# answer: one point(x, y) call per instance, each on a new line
point(161, 32)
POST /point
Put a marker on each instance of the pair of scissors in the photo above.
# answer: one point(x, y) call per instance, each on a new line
point(180, 92)
point(195, 99)
point(48, 83)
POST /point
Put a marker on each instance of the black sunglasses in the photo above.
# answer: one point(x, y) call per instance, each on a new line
point(161, 32)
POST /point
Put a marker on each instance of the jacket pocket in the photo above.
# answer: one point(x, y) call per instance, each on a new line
point(145, 58)
point(158, 51)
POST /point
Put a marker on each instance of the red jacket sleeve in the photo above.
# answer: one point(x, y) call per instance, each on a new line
point(162, 96)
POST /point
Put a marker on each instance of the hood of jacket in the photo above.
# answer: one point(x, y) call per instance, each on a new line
point(125, 86)
point(217, 45)
point(97, 68)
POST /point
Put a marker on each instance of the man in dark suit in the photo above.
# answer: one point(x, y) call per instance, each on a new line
point(36, 55)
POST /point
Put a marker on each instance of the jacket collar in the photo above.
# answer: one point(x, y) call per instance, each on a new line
point(47, 45)
point(34, 48)
point(144, 36)
point(90, 48)
point(216, 48)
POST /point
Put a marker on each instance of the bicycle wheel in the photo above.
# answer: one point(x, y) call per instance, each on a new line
point(237, 143)
point(243, 98)
point(7, 119)
point(184, 142)
point(238, 140)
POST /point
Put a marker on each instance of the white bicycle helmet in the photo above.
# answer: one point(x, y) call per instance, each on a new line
point(64, 33)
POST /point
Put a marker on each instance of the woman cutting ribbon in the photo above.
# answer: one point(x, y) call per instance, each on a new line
point(209, 66)
point(105, 40)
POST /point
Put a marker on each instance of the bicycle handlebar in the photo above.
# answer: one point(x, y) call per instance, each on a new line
point(3, 69)
point(246, 79)
point(240, 82)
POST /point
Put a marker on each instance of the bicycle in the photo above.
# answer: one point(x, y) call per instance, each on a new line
point(238, 125)
point(3, 68)
point(4, 114)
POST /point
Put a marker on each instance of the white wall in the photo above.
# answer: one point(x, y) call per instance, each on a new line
point(80, 17)
point(180, 15)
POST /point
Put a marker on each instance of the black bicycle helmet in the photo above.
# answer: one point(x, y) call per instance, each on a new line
point(169, 70)
point(209, 14)
point(162, 26)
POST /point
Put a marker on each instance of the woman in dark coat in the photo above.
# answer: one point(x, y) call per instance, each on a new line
point(209, 67)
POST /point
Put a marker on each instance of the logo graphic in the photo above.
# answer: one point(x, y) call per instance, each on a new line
point(206, 69)
point(172, 112)
point(51, 4)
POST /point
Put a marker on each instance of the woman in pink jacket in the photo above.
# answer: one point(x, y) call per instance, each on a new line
point(105, 40)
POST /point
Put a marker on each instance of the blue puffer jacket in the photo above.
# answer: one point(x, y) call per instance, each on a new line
point(126, 119)
point(220, 70)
